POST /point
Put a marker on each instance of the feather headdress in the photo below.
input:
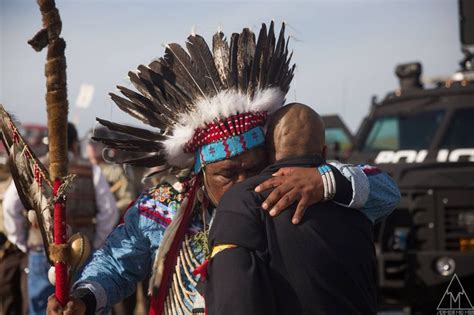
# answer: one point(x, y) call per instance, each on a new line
point(201, 96)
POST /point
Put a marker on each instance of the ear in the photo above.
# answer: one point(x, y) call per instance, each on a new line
point(206, 189)
point(325, 151)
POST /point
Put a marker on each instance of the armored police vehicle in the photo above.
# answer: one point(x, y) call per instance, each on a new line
point(424, 137)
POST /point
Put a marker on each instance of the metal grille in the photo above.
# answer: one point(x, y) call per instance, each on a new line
point(458, 224)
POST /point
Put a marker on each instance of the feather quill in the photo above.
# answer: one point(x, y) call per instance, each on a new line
point(166, 87)
point(257, 60)
point(202, 56)
point(266, 57)
point(278, 59)
point(181, 62)
point(138, 110)
point(144, 84)
point(246, 50)
point(136, 145)
point(220, 49)
point(233, 72)
point(132, 131)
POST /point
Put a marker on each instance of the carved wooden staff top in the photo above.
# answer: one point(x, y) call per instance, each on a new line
point(56, 90)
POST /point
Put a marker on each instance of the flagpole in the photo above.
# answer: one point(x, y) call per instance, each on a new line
point(57, 111)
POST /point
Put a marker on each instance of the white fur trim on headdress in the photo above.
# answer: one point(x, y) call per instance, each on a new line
point(222, 105)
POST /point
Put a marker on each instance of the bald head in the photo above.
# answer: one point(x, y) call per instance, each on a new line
point(295, 130)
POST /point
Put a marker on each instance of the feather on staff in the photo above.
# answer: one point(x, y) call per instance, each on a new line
point(30, 176)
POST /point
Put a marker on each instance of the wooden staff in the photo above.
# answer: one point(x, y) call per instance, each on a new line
point(57, 109)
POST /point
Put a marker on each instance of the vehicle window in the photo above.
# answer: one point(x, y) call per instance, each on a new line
point(338, 135)
point(460, 133)
point(413, 132)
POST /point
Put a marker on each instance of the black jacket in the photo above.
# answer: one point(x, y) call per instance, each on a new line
point(324, 265)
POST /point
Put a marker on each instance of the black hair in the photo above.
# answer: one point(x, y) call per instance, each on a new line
point(72, 136)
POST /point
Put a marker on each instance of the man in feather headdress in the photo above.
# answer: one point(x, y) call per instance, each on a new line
point(211, 109)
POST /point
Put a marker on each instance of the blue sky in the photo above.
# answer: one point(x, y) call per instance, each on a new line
point(345, 51)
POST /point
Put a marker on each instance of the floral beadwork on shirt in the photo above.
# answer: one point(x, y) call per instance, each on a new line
point(160, 204)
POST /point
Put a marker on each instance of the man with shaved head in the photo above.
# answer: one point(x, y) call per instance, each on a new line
point(264, 265)
point(295, 130)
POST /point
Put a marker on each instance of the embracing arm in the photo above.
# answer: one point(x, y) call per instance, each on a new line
point(375, 193)
point(384, 195)
point(359, 187)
